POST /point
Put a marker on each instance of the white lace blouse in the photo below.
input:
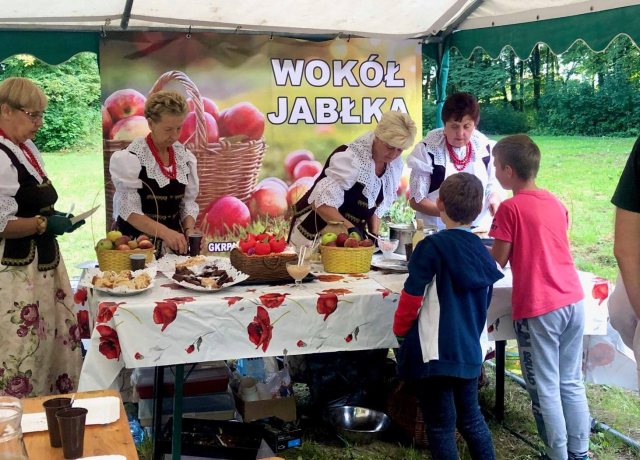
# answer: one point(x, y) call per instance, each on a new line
point(356, 165)
point(9, 184)
point(125, 167)
point(422, 166)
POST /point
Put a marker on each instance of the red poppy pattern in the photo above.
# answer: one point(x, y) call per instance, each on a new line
point(326, 304)
point(109, 342)
point(260, 329)
point(106, 310)
point(337, 291)
point(273, 300)
point(385, 292)
point(329, 278)
point(600, 290)
point(165, 313)
point(232, 300)
point(83, 324)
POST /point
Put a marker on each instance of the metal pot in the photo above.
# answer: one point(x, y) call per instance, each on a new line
point(403, 233)
point(357, 424)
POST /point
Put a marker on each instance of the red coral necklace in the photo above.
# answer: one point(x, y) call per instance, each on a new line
point(459, 163)
point(31, 158)
point(171, 171)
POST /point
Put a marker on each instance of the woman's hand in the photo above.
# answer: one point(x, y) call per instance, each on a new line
point(494, 203)
point(175, 240)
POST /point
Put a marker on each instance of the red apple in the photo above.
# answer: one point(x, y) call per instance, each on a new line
point(221, 124)
point(227, 212)
point(107, 122)
point(210, 107)
point(294, 158)
point(189, 128)
point(243, 118)
point(273, 182)
point(351, 243)
point(299, 189)
point(331, 244)
point(122, 240)
point(125, 103)
point(268, 202)
point(130, 128)
point(142, 238)
point(145, 244)
point(307, 168)
point(123, 247)
point(342, 237)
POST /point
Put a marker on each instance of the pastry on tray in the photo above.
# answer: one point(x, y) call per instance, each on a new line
point(112, 280)
point(191, 262)
point(210, 277)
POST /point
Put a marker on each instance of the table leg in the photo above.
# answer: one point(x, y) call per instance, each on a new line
point(158, 393)
point(176, 448)
point(501, 346)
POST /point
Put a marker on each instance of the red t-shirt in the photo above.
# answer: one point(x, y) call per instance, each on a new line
point(544, 276)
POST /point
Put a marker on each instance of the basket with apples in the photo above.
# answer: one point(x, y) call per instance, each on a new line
point(346, 253)
point(263, 256)
point(115, 250)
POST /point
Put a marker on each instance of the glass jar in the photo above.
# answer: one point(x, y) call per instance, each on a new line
point(11, 443)
point(335, 228)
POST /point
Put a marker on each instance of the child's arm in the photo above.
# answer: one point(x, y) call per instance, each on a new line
point(501, 251)
point(421, 272)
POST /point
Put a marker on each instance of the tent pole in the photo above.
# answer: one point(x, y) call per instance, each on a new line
point(441, 79)
point(126, 15)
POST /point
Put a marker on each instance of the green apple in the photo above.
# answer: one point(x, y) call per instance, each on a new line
point(105, 244)
point(328, 238)
point(355, 236)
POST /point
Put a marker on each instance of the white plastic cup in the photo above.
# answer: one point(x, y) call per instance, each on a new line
point(248, 389)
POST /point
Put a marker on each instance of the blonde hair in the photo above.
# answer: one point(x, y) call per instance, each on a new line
point(170, 103)
point(19, 93)
point(396, 129)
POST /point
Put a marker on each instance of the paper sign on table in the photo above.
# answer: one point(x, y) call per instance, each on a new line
point(101, 411)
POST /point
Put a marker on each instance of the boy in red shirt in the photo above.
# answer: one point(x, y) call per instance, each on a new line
point(530, 232)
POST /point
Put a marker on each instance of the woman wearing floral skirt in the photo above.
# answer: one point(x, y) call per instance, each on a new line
point(40, 346)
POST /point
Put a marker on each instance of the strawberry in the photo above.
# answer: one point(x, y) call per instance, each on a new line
point(263, 247)
point(251, 237)
point(246, 245)
point(277, 246)
point(262, 236)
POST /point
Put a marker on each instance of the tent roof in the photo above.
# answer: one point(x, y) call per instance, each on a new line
point(371, 18)
point(489, 24)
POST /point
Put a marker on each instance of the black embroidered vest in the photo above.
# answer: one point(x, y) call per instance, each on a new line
point(33, 199)
point(169, 198)
point(355, 207)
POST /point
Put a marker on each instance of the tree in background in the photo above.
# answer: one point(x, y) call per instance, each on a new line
point(73, 89)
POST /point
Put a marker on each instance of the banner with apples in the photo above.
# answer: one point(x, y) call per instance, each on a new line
point(297, 100)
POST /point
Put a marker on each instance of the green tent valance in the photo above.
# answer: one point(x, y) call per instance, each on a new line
point(596, 29)
point(52, 47)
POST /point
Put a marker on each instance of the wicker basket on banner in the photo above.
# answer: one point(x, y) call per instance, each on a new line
point(346, 260)
point(403, 408)
point(228, 167)
point(117, 261)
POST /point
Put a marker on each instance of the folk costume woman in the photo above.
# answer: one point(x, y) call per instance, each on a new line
point(359, 181)
point(168, 168)
point(458, 147)
point(40, 346)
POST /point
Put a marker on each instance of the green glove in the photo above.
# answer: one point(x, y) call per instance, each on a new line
point(58, 225)
point(76, 226)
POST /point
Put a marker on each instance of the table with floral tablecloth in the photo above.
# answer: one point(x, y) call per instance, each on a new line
point(169, 325)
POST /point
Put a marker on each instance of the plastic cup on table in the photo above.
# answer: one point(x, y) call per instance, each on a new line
point(195, 240)
point(71, 423)
point(138, 261)
point(51, 407)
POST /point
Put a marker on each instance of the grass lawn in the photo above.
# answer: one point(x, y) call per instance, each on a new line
point(583, 172)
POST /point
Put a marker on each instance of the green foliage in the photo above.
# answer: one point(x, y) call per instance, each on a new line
point(428, 116)
point(502, 119)
point(73, 89)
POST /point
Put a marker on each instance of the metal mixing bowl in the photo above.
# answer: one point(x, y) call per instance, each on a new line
point(357, 424)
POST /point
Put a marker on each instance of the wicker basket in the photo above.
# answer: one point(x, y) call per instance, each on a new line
point(346, 260)
point(262, 268)
point(403, 408)
point(228, 167)
point(114, 260)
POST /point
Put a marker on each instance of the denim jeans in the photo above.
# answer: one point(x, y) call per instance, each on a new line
point(450, 402)
point(550, 349)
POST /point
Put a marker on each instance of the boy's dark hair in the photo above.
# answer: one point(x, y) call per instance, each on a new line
point(519, 152)
point(458, 105)
point(462, 195)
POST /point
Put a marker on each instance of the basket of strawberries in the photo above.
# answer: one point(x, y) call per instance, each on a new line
point(263, 257)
